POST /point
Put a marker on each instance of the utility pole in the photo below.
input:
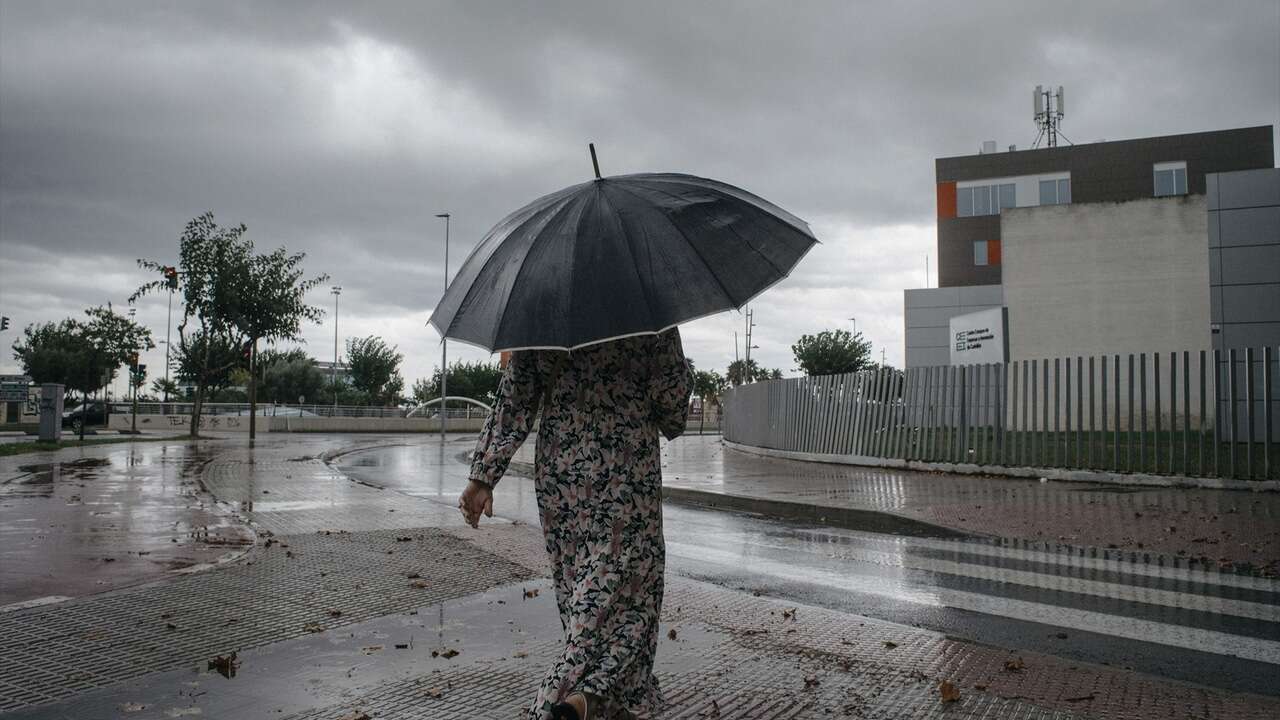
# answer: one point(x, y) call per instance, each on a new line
point(333, 372)
point(444, 342)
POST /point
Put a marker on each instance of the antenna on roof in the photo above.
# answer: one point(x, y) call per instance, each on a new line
point(1049, 110)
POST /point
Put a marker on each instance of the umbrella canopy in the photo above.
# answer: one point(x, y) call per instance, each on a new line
point(618, 256)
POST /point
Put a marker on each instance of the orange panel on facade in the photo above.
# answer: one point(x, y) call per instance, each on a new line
point(946, 200)
point(993, 252)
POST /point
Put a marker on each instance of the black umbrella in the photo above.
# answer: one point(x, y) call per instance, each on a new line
point(618, 256)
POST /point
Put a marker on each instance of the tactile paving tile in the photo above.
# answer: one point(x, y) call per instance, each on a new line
point(56, 651)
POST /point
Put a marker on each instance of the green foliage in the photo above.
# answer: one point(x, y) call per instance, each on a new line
point(477, 380)
point(50, 352)
point(214, 264)
point(286, 376)
point(375, 370)
point(708, 385)
point(162, 387)
point(208, 363)
point(741, 372)
point(832, 352)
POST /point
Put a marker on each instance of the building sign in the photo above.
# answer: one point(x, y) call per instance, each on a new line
point(13, 388)
point(979, 337)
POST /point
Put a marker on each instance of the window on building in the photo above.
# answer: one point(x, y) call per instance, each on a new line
point(1008, 196)
point(984, 199)
point(1170, 179)
point(1055, 192)
point(964, 202)
point(980, 256)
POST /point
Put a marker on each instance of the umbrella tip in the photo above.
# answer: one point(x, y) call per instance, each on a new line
point(594, 163)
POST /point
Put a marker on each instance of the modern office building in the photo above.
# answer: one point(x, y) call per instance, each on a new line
point(1100, 248)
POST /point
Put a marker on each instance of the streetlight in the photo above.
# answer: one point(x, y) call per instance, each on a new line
point(444, 342)
point(333, 372)
point(854, 320)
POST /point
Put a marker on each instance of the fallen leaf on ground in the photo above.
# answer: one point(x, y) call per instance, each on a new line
point(519, 654)
point(789, 614)
point(356, 716)
point(403, 538)
point(420, 584)
point(131, 707)
point(225, 666)
point(450, 653)
point(948, 691)
point(433, 693)
point(531, 593)
point(313, 627)
point(371, 649)
point(1014, 665)
point(1080, 698)
point(889, 644)
point(335, 613)
point(402, 646)
point(811, 681)
point(413, 576)
point(671, 634)
point(979, 686)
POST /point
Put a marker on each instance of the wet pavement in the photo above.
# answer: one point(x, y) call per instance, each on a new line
point(106, 516)
point(365, 553)
point(1230, 529)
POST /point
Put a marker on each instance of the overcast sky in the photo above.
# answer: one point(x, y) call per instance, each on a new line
point(341, 129)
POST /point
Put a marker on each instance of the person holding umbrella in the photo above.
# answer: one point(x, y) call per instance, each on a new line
point(586, 286)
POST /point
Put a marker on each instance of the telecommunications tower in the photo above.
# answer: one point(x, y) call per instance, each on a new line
point(1049, 110)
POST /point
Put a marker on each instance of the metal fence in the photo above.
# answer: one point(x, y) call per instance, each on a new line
point(294, 410)
point(1146, 412)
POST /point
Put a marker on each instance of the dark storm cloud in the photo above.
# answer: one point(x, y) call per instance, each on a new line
point(340, 129)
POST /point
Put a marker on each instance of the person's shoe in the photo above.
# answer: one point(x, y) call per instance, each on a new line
point(567, 711)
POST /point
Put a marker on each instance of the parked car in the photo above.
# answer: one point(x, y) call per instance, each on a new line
point(92, 413)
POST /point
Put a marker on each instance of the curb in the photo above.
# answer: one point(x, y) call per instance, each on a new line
point(1026, 473)
point(875, 521)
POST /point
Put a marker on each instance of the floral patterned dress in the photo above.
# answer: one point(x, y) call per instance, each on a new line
point(598, 483)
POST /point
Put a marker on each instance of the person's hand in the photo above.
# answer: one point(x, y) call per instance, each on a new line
point(476, 498)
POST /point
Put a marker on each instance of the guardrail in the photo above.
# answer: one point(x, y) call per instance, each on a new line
point(1135, 413)
point(281, 410)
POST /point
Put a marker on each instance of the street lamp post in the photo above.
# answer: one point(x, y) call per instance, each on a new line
point(444, 342)
point(333, 372)
point(854, 320)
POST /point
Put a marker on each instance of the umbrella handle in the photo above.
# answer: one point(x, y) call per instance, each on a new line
point(594, 163)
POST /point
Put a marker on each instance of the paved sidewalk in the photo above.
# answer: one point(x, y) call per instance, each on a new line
point(1212, 529)
point(359, 602)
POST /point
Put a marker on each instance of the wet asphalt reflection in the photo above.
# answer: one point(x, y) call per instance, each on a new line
point(1211, 628)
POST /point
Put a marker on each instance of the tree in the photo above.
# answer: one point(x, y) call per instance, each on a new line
point(213, 264)
point(476, 380)
point(741, 372)
point(50, 352)
point(83, 355)
point(832, 352)
point(270, 307)
point(375, 369)
point(165, 387)
point(707, 385)
point(287, 376)
point(214, 361)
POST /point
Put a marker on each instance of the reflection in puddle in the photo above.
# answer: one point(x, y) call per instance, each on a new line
point(38, 480)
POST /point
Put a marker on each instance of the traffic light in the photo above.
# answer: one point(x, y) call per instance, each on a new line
point(133, 360)
point(4, 322)
point(171, 277)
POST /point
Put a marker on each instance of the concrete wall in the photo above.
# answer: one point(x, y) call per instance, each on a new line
point(927, 313)
point(1244, 281)
point(1106, 278)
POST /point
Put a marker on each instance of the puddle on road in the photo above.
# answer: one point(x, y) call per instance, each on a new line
point(38, 480)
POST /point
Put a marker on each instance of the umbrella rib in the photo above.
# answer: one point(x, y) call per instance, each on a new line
point(502, 319)
point(485, 263)
point(626, 240)
point(748, 243)
point(697, 252)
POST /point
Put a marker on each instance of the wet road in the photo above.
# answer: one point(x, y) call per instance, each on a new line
point(112, 516)
point(1216, 629)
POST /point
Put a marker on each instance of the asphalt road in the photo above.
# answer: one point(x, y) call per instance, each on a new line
point(1213, 629)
